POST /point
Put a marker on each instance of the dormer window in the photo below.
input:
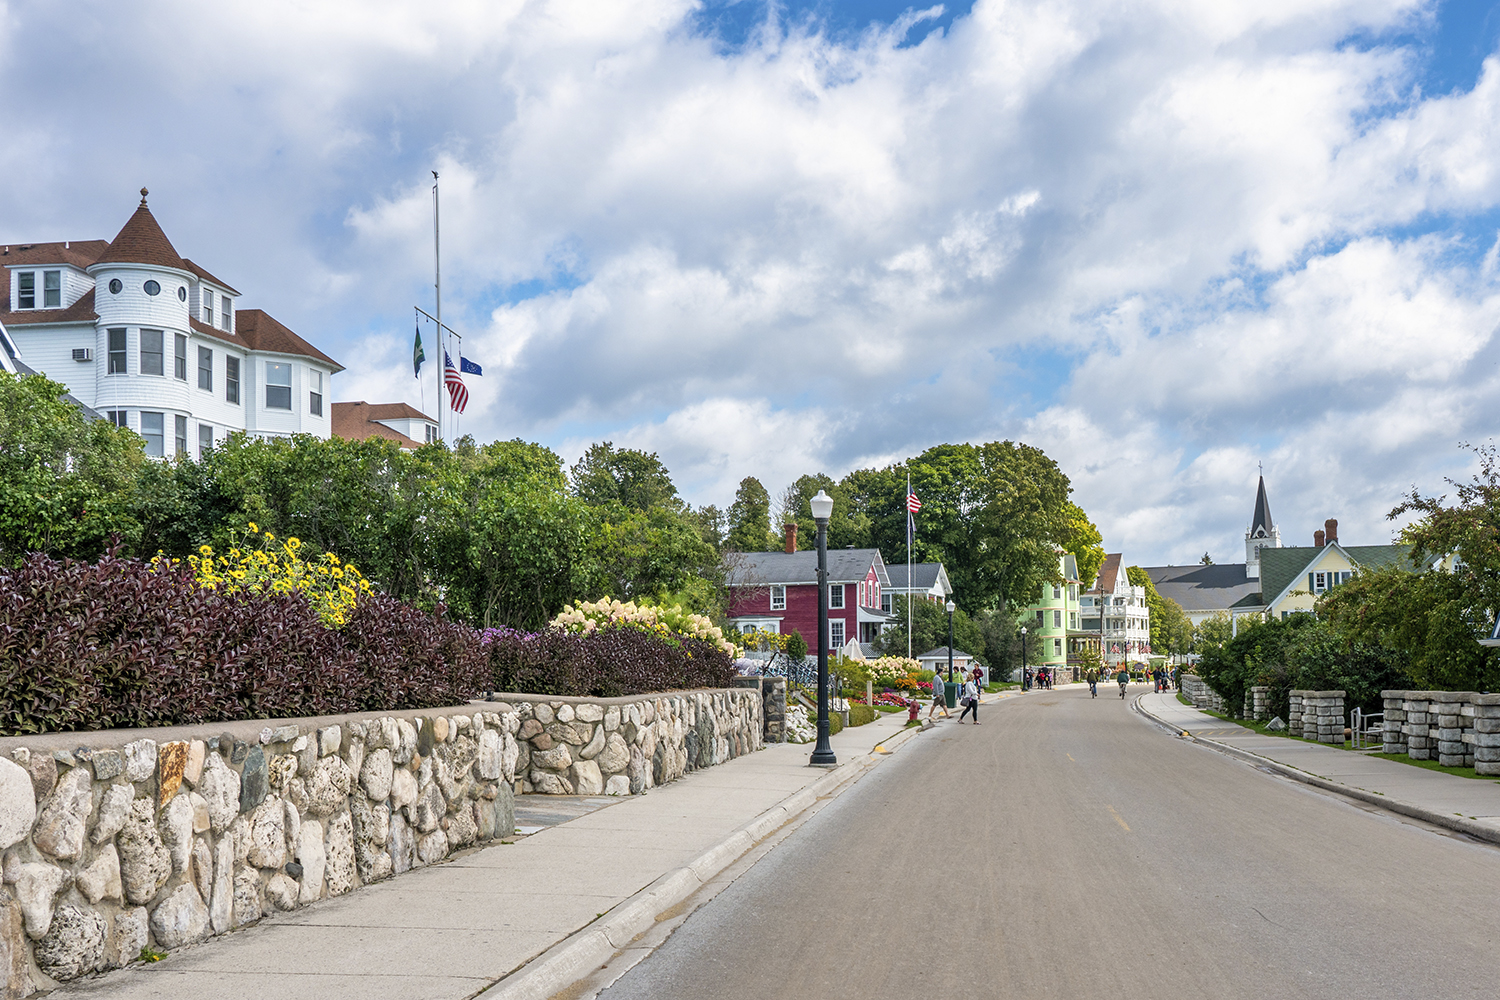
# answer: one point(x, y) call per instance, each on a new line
point(208, 307)
point(26, 290)
point(51, 289)
point(224, 313)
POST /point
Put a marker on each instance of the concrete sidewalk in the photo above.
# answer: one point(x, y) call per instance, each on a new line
point(1468, 805)
point(454, 929)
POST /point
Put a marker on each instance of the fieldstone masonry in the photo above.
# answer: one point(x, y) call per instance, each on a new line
point(1321, 717)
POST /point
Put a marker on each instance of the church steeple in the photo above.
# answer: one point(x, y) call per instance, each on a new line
point(1263, 533)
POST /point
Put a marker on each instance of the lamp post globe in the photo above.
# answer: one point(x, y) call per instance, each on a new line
point(949, 608)
point(822, 510)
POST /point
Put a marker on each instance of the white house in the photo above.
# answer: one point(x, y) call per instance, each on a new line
point(1124, 627)
point(158, 344)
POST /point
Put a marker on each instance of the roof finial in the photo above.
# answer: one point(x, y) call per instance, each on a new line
point(144, 192)
point(1262, 467)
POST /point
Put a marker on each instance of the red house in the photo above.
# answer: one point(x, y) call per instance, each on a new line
point(778, 592)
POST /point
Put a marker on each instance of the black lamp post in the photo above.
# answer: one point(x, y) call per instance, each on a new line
point(1024, 685)
point(822, 510)
point(950, 641)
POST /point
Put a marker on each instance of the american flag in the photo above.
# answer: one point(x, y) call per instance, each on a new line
point(912, 503)
point(458, 395)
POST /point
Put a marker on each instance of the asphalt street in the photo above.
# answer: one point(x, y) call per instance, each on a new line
point(1069, 848)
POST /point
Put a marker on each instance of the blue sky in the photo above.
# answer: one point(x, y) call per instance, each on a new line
point(1165, 243)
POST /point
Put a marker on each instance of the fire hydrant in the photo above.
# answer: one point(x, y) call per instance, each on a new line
point(912, 709)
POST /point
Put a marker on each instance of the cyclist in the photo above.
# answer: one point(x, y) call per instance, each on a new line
point(1124, 678)
point(1093, 678)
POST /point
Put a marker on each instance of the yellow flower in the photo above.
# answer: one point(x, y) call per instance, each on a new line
point(253, 527)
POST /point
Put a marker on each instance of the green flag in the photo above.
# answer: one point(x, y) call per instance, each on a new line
point(417, 355)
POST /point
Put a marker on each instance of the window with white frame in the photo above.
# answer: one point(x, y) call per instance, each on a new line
point(180, 427)
point(778, 598)
point(835, 633)
point(206, 368)
point(26, 290)
point(116, 417)
point(208, 307)
point(117, 363)
point(836, 595)
point(1057, 619)
point(885, 603)
point(205, 439)
point(225, 311)
point(153, 430)
point(151, 352)
point(278, 386)
point(179, 356)
point(314, 393)
point(51, 289)
point(1056, 647)
point(231, 378)
point(431, 433)
point(1073, 620)
point(1057, 593)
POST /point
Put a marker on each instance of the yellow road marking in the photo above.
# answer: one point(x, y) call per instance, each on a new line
point(1070, 757)
point(1117, 818)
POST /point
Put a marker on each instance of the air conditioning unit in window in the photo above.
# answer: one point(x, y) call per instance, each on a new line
point(83, 354)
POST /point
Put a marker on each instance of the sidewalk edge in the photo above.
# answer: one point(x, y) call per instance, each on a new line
point(583, 951)
point(1458, 824)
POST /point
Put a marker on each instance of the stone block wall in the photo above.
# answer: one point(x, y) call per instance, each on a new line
point(110, 850)
point(1322, 716)
point(1294, 713)
point(1454, 728)
point(623, 746)
point(1260, 697)
point(1201, 695)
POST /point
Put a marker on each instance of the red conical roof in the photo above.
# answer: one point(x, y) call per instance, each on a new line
point(142, 242)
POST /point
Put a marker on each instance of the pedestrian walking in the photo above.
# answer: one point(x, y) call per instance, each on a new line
point(938, 698)
point(971, 700)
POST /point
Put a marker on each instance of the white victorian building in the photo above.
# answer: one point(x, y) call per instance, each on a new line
point(154, 342)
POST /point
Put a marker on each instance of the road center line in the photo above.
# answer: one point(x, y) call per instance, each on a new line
point(1118, 820)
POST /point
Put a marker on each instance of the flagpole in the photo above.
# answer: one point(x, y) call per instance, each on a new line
point(911, 537)
point(437, 264)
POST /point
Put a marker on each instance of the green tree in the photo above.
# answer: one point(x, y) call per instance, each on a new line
point(1468, 528)
point(1084, 540)
point(847, 525)
point(648, 552)
point(66, 482)
point(929, 630)
point(750, 518)
point(1171, 630)
point(636, 480)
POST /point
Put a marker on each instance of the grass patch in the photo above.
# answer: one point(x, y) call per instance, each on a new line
point(1185, 699)
point(1432, 765)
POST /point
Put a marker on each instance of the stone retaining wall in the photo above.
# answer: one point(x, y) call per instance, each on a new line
point(1201, 694)
point(1320, 716)
point(1454, 728)
point(114, 848)
point(623, 746)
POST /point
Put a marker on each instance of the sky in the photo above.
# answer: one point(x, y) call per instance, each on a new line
point(1169, 242)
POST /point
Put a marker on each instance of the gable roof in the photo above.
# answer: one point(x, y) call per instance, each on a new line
point(359, 421)
point(1205, 588)
point(941, 653)
point(924, 577)
point(141, 241)
point(1109, 574)
point(205, 276)
point(396, 411)
point(1280, 569)
point(263, 333)
point(757, 569)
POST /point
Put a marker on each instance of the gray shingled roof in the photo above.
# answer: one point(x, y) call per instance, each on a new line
point(1207, 588)
point(844, 566)
point(924, 575)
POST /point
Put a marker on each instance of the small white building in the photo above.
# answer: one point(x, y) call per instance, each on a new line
point(154, 342)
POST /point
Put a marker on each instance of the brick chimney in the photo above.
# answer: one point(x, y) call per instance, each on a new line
point(791, 536)
point(1331, 530)
point(1318, 538)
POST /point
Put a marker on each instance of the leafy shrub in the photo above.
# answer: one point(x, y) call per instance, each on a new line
point(860, 715)
point(257, 565)
point(585, 617)
point(124, 643)
point(607, 662)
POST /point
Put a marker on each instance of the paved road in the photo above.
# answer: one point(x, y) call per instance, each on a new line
point(1067, 848)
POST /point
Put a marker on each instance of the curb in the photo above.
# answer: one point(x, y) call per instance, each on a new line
point(1458, 824)
point(579, 954)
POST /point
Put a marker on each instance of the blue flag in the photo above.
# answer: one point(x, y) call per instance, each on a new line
point(468, 367)
point(417, 355)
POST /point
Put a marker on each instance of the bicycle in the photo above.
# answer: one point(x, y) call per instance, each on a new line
point(1122, 692)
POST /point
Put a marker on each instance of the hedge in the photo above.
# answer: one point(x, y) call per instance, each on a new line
point(606, 663)
point(125, 643)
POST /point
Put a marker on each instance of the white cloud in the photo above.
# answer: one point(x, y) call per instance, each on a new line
point(1163, 240)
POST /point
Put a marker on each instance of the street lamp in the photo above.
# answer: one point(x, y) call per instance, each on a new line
point(1024, 685)
point(822, 510)
point(950, 641)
